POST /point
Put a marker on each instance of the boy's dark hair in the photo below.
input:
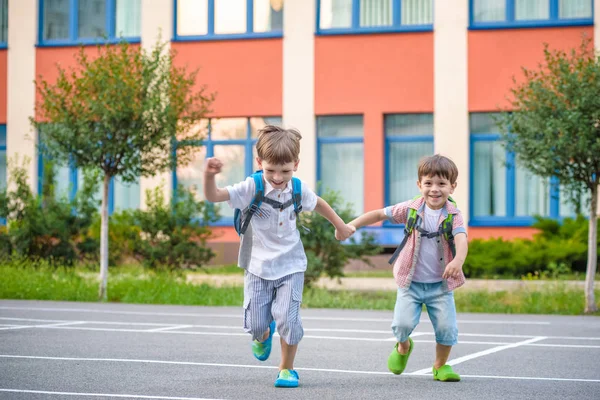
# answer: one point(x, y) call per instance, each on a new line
point(277, 145)
point(438, 165)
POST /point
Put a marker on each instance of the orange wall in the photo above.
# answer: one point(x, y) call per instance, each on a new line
point(501, 232)
point(373, 75)
point(3, 85)
point(495, 56)
point(247, 75)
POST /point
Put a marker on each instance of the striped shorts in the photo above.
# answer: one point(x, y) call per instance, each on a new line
point(279, 300)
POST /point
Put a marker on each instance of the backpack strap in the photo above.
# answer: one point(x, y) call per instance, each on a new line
point(259, 197)
point(412, 221)
point(297, 195)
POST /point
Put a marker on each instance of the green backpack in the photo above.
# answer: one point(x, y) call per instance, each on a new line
point(413, 221)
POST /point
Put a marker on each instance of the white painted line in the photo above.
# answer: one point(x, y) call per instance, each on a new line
point(483, 353)
point(168, 328)
point(237, 315)
point(571, 346)
point(358, 372)
point(58, 325)
point(129, 396)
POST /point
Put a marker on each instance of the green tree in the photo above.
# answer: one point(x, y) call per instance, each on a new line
point(118, 112)
point(555, 131)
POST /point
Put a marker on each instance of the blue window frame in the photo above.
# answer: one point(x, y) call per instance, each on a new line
point(227, 19)
point(502, 193)
point(74, 22)
point(340, 158)
point(335, 17)
point(408, 138)
point(494, 14)
point(3, 24)
point(233, 141)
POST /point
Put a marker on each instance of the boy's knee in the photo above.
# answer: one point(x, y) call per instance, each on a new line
point(446, 334)
point(402, 330)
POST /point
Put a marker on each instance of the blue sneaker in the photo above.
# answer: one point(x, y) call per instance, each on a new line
point(287, 378)
point(262, 350)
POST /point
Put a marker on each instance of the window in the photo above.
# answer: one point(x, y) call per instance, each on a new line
point(227, 19)
point(232, 140)
point(523, 13)
point(502, 193)
point(340, 157)
point(3, 23)
point(85, 21)
point(68, 180)
point(408, 138)
point(368, 16)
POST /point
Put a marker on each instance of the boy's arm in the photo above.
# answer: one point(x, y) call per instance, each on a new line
point(369, 218)
point(342, 231)
point(213, 193)
point(454, 267)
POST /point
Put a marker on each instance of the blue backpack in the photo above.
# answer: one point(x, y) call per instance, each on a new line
point(241, 218)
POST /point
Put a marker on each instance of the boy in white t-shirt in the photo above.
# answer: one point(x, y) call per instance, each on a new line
point(271, 251)
point(428, 263)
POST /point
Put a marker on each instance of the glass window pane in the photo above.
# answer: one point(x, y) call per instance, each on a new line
point(258, 123)
point(489, 179)
point(4, 21)
point(230, 16)
point(56, 19)
point(340, 126)
point(2, 169)
point(126, 195)
point(191, 176)
point(228, 128)
point(409, 125)
point(489, 10)
point(575, 9)
point(483, 123)
point(567, 209)
point(98, 195)
point(417, 12)
point(342, 170)
point(403, 159)
point(532, 194)
point(92, 18)
point(2, 135)
point(376, 12)
point(129, 18)
point(268, 15)
point(233, 158)
point(62, 181)
point(335, 14)
point(532, 9)
point(192, 17)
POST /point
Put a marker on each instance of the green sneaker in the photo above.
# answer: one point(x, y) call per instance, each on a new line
point(396, 361)
point(445, 374)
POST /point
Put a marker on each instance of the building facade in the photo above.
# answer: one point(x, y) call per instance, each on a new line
point(372, 85)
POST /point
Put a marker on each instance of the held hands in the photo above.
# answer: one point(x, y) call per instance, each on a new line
point(452, 270)
point(212, 166)
point(344, 232)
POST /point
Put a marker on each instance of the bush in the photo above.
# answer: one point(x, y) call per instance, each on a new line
point(172, 235)
point(44, 227)
point(325, 254)
point(558, 248)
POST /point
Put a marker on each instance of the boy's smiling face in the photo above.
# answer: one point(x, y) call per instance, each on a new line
point(435, 190)
point(278, 175)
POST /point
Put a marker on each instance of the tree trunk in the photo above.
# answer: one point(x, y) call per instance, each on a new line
point(590, 275)
point(104, 241)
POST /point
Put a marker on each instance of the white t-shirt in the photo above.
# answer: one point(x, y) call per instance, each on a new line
point(429, 268)
point(271, 247)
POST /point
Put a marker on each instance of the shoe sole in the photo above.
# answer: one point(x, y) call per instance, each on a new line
point(285, 384)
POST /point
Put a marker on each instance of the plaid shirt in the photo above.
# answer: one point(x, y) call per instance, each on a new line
point(404, 266)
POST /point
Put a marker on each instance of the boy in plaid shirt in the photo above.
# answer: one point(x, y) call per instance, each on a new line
point(429, 265)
